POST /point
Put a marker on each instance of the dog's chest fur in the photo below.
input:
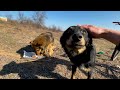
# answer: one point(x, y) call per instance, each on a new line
point(79, 56)
point(75, 52)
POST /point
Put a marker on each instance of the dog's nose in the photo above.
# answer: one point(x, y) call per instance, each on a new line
point(77, 37)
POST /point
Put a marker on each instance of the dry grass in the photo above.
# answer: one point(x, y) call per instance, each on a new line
point(14, 38)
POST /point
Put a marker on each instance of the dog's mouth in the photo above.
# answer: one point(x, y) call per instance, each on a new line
point(76, 45)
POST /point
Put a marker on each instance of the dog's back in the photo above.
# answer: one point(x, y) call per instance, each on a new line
point(43, 39)
point(43, 44)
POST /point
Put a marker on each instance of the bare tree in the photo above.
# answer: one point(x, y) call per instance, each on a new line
point(21, 17)
point(39, 18)
point(9, 16)
point(55, 28)
point(28, 21)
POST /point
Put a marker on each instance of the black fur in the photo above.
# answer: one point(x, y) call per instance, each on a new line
point(86, 58)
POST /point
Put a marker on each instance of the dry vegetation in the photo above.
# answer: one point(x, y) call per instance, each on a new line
point(15, 37)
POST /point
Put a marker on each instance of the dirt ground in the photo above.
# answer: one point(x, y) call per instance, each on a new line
point(15, 38)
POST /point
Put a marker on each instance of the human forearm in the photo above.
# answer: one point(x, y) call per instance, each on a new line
point(111, 35)
point(98, 32)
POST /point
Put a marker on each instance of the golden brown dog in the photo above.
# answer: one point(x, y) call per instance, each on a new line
point(43, 44)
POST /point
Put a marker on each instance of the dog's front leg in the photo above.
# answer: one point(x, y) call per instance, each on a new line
point(91, 63)
point(90, 72)
point(73, 71)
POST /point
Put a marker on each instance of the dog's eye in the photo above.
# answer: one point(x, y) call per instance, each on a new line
point(83, 31)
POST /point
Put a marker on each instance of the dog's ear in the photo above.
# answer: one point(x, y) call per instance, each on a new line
point(89, 40)
point(65, 36)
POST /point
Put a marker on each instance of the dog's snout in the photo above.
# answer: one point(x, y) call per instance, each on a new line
point(76, 37)
point(79, 37)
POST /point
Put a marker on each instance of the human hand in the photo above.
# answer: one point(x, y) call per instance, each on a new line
point(96, 32)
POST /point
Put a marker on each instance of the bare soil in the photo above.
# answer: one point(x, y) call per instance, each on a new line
point(14, 38)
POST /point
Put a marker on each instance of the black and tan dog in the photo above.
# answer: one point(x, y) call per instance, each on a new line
point(77, 43)
point(44, 44)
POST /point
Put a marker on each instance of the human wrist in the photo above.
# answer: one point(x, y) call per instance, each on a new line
point(103, 32)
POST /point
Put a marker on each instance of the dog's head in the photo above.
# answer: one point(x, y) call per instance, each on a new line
point(76, 37)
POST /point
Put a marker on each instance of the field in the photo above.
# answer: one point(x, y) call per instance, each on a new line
point(14, 38)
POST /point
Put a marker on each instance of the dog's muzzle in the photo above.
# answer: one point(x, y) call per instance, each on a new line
point(76, 40)
point(76, 37)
